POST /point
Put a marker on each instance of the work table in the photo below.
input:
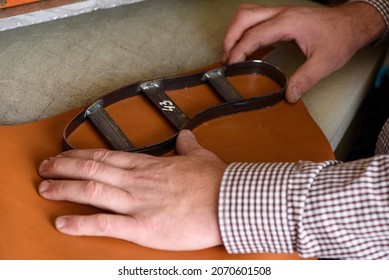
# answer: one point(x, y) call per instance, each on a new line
point(53, 67)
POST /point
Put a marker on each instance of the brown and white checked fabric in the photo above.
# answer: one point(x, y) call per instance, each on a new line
point(383, 141)
point(329, 209)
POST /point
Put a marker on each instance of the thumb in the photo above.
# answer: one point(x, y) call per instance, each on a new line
point(305, 77)
point(186, 143)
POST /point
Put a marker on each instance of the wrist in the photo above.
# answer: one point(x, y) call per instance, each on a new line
point(367, 23)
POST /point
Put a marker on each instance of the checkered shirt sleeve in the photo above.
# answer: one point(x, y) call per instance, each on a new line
point(382, 147)
point(382, 7)
point(328, 209)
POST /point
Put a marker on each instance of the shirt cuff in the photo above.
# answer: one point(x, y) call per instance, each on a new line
point(253, 215)
point(261, 207)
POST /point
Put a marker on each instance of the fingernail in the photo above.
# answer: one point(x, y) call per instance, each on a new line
point(44, 186)
point(60, 223)
point(188, 133)
point(43, 166)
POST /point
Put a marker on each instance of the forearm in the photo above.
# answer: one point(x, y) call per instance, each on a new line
point(324, 209)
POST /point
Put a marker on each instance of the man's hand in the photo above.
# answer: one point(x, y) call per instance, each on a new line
point(159, 202)
point(327, 36)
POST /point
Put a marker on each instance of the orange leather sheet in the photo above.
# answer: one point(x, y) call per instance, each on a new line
point(11, 3)
point(283, 132)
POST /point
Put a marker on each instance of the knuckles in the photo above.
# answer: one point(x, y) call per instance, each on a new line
point(102, 223)
point(92, 189)
point(89, 167)
point(100, 155)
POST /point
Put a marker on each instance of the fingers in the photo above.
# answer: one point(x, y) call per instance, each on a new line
point(140, 232)
point(83, 169)
point(253, 28)
point(306, 76)
point(187, 143)
point(116, 226)
point(115, 158)
point(109, 167)
point(255, 38)
point(246, 18)
point(89, 192)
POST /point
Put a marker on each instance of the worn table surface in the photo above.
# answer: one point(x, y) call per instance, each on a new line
point(49, 68)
